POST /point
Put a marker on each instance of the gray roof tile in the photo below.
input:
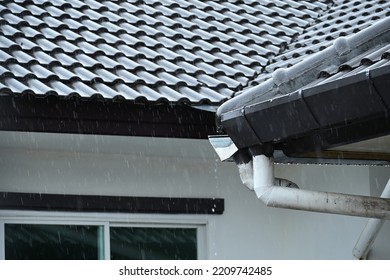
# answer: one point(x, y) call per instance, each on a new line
point(44, 58)
point(173, 51)
point(39, 88)
point(41, 72)
point(128, 77)
point(18, 71)
point(15, 85)
point(126, 91)
point(12, 19)
point(22, 57)
point(70, 35)
point(54, 11)
point(61, 88)
point(63, 73)
point(82, 89)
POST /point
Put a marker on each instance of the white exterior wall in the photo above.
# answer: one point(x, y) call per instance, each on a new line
point(127, 166)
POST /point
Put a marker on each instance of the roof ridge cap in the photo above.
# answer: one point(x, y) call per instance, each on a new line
point(342, 49)
point(330, 3)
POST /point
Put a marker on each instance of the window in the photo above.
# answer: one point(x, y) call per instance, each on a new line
point(89, 238)
point(55, 242)
point(133, 243)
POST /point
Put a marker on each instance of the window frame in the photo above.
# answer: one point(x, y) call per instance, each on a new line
point(106, 220)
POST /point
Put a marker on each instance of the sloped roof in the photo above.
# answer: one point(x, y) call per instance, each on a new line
point(193, 52)
point(172, 54)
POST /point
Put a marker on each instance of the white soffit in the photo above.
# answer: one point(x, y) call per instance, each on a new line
point(375, 145)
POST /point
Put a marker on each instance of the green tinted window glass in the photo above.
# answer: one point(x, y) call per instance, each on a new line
point(52, 242)
point(153, 243)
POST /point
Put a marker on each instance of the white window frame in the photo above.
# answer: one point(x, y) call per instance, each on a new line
point(106, 220)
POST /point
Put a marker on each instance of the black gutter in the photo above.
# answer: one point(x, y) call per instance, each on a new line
point(351, 109)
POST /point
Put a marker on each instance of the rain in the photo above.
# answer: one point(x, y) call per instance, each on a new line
point(108, 110)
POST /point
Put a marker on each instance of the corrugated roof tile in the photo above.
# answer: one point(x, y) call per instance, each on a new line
point(54, 23)
point(18, 70)
point(26, 44)
point(12, 19)
point(41, 72)
point(82, 89)
point(147, 91)
point(66, 60)
point(22, 57)
point(214, 95)
point(75, 14)
point(94, 15)
point(110, 38)
point(126, 91)
point(89, 36)
point(85, 75)
point(61, 89)
point(190, 80)
point(149, 20)
point(93, 4)
point(149, 78)
point(16, 86)
point(35, 10)
point(39, 88)
point(111, 27)
point(29, 32)
point(67, 46)
point(9, 30)
point(168, 51)
point(44, 58)
point(64, 74)
point(5, 57)
point(70, 35)
point(33, 21)
point(107, 62)
point(170, 80)
point(168, 43)
point(111, 16)
point(55, 11)
point(128, 76)
point(148, 65)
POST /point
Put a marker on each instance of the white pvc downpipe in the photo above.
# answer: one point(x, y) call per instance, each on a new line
point(370, 232)
point(316, 201)
point(246, 175)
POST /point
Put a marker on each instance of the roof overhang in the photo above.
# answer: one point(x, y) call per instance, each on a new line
point(312, 121)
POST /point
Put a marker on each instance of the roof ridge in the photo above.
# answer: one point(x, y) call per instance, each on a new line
point(285, 48)
point(342, 49)
point(337, 22)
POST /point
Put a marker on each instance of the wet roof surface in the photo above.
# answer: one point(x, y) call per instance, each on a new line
point(194, 52)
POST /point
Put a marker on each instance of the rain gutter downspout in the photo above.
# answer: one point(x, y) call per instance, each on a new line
point(273, 194)
point(370, 232)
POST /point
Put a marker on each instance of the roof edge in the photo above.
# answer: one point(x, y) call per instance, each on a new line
point(26, 113)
